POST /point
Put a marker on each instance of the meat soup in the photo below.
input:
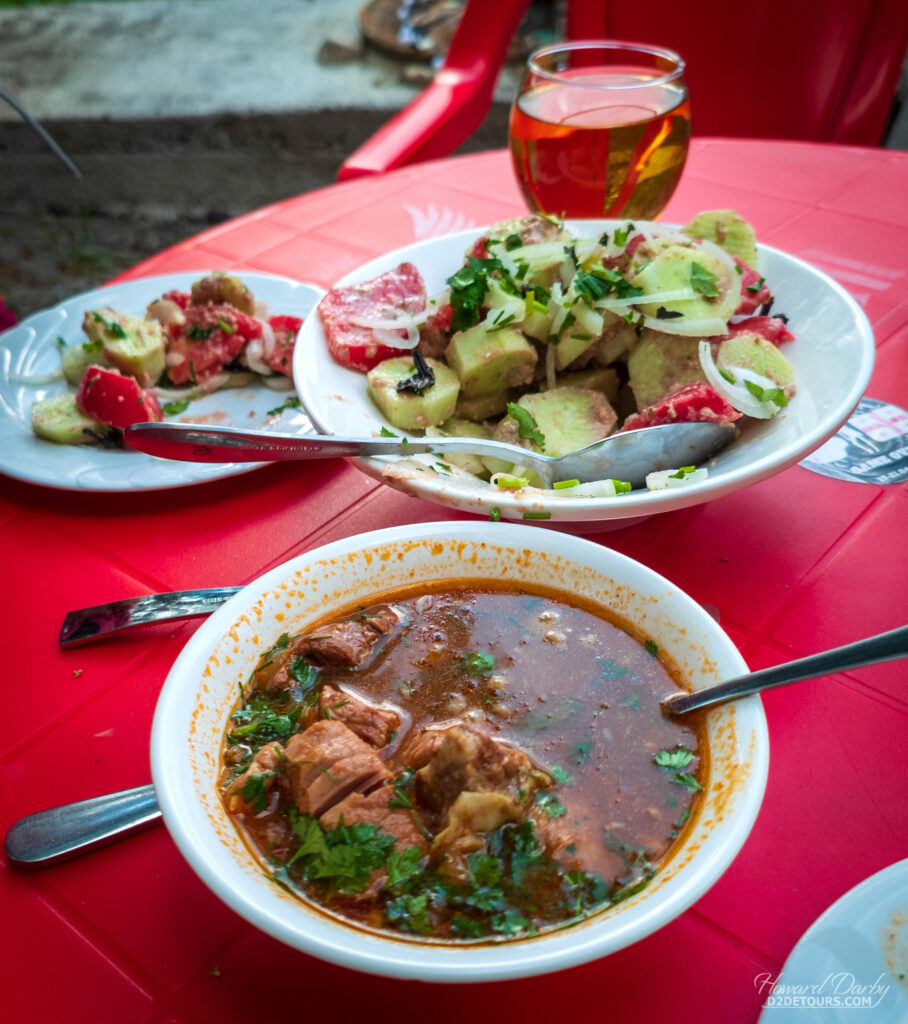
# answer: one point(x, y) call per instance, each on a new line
point(461, 763)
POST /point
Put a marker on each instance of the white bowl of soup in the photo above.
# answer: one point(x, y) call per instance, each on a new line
point(438, 752)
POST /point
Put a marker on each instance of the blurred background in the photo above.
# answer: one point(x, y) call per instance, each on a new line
point(179, 114)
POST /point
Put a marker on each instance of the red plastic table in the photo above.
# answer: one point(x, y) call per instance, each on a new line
point(796, 564)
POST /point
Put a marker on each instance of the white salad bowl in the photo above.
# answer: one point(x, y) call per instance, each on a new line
point(832, 355)
point(201, 690)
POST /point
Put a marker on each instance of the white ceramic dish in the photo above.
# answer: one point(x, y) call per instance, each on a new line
point(852, 962)
point(201, 690)
point(30, 350)
point(833, 358)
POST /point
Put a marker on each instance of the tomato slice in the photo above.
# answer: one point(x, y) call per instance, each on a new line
point(211, 337)
point(688, 404)
point(385, 297)
point(285, 330)
point(115, 399)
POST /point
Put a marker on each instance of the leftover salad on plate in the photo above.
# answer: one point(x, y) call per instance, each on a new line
point(133, 369)
point(551, 341)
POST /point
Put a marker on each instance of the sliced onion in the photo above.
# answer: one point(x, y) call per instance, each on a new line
point(393, 340)
point(736, 394)
point(278, 382)
point(707, 327)
point(268, 340)
point(262, 309)
point(205, 387)
point(254, 357)
point(676, 295)
point(665, 478)
point(37, 379)
point(166, 312)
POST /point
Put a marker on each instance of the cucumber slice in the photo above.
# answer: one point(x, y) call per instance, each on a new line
point(488, 361)
point(689, 268)
point(76, 359)
point(661, 362)
point(405, 409)
point(569, 418)
point(134, 346)
point(726, 228)
point(483, 407)
point(58, 419)
point(457, 427)
point(757, 354)
point(599, 378)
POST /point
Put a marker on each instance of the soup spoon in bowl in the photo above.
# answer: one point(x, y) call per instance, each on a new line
point(628, 456)
point(48, 836)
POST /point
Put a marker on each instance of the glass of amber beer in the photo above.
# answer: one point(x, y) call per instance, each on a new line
point(600, 129)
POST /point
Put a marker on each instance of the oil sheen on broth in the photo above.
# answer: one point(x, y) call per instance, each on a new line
point(582, 151)
point(460, 763)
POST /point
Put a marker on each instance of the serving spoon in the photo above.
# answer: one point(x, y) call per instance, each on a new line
point(49, 836)
point(626, 456)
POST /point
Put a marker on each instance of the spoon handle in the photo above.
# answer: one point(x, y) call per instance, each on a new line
point(60, 832)
point(84, 624)
point(884, 647)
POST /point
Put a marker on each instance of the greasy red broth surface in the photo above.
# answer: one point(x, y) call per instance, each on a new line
point(575, 692)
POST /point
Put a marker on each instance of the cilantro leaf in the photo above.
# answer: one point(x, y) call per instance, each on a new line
point(479, 663)
point(679, 757)
point(550, 804)
point(527, 426)
point(561, 776)
point(703, 281)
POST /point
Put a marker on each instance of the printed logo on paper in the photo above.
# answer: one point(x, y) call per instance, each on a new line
point(871, 448)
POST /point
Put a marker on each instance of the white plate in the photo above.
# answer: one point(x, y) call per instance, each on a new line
point(832, 356)
point(846, 966)
point(30, 349)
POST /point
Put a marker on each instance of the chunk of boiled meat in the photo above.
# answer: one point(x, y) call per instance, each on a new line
point(267, 763)
point(327, 762)
point(471, 815)
point(468, 759)
point(344, 644)
point(347, 644)
point(770, 328)
point(374, 725)
point(688, 404)
point(397, 292)
point(373, 809)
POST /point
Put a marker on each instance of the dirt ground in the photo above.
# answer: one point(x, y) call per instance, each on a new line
point(147, 185)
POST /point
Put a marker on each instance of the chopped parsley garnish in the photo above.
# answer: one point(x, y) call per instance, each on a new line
point(703, 281)
point(754, 288)
point(495, 514)
point(468, 290)
point(562, 777)
point(479, 663)
point(675, 761)
point(254, 791)
point(612, 670)
point(513, 242)
point(774, 395)
point(581, 752)
point(622, 234)
point(88, 346)
point(384, 432)
point(174, 408)
point(652, 648)
point(550, 804)
point(288, 403)
point(196, 333)
point(111, 327)
point(527, 427)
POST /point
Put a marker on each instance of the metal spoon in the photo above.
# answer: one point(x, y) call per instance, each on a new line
point(625, 456)
point(49, 836)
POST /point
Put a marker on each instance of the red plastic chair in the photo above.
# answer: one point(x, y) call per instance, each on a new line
point(821, 70)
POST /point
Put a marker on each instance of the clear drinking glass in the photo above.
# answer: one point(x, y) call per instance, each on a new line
point(600, 129)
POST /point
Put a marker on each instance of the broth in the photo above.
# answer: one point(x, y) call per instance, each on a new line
point(496, 764)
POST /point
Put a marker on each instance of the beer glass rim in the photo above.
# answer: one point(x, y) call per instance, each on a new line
point(607, 44)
